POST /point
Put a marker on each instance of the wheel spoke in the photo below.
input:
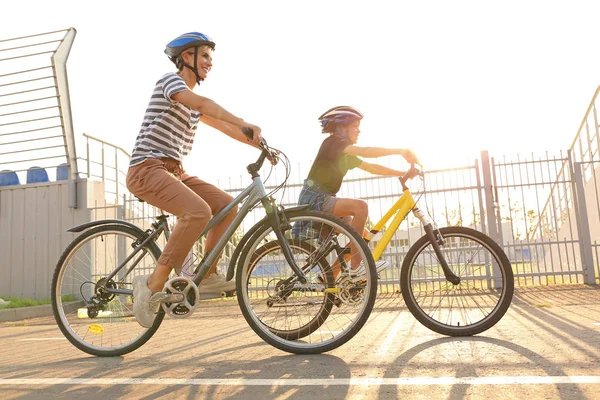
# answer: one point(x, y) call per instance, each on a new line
point(106, 326)
point(302, 319)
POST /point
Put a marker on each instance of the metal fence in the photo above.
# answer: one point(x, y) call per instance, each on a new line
point(552, 205)
point(543, 210)
point(36, 130)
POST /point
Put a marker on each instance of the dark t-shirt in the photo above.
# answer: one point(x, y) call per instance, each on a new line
point(332, 164)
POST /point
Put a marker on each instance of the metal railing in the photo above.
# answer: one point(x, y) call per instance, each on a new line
point(107, 163)
point(585, 148)
point(513, 203)
point(544, 210)
point(36, 128)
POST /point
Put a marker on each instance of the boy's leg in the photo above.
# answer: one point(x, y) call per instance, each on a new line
point(359, 211)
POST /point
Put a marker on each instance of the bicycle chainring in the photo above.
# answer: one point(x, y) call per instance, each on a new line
point(350, 292)
point(191, 297)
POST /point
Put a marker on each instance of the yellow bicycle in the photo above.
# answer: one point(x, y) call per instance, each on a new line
point(455, 280)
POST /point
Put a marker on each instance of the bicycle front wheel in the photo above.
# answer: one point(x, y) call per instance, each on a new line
point(326, 311)
point(472, 306)
point(93, 319)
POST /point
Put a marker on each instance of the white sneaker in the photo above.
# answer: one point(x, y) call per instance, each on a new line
point(361, 271)
point(216, 283)
point(381, 265)
point(145, 304)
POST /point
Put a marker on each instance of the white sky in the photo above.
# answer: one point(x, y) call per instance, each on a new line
point(447, 78)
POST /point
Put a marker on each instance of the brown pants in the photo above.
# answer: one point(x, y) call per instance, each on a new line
point(163, 184)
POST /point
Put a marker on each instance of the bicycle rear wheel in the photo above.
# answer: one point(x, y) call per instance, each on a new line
point(91, 318)
point(271, 252)
point(474, 305)
point(316, 316)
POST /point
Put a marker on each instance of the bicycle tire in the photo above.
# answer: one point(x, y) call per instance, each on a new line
point(329, 282)
point(473, 306)
point(94, 334)
point(354, 315)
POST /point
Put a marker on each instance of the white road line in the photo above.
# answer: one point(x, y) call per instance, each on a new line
point(40, 339)
point(441, 381)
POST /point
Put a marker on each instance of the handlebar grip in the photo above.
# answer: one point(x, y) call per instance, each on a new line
point(248, 132)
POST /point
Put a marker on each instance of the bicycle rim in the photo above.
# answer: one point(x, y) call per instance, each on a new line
point(109, 329)
point(313, 317)
point(474, 305)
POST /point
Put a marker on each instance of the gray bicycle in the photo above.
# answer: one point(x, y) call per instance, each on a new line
point(292, 276)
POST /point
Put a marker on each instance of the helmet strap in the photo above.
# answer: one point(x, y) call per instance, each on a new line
point(194, 69)
point(340, 131)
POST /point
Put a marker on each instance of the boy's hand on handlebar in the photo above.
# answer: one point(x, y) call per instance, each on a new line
point(410, 156)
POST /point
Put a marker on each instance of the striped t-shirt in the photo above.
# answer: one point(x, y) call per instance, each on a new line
point(169, 127)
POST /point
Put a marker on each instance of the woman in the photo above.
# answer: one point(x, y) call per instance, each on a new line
point(156, 174)
point(337, 155)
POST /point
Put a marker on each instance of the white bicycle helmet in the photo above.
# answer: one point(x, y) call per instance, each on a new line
point(340, 115)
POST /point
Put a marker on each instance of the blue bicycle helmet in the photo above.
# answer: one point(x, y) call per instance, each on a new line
point(177, 46)
point(336, 116)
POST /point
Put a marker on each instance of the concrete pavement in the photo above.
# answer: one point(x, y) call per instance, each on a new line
point(547, 346)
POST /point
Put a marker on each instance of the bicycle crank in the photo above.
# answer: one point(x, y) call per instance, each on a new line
point(350, 292)
point(182, 297)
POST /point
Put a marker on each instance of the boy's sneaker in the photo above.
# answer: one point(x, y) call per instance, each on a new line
point(216, 283)
point(361, 271)
point(356, 273)
point(145, 304)
point(381, 265)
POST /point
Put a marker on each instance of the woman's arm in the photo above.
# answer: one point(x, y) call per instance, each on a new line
point(379, 169)
point(209, 108)
point(229, 129)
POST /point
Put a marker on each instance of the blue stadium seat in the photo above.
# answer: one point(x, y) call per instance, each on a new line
point(37, 175)
point(8, 178)
point(62, 172)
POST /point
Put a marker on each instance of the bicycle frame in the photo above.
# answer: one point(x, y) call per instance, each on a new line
point(250, 197)
point(401, 208)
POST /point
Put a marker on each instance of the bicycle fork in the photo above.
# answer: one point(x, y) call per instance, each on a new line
point(436, 239)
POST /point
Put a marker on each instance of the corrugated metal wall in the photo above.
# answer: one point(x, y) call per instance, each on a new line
point(34, 220)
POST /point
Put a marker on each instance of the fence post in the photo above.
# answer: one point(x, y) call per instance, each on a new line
point(59, 61)
point(583, 226)
point(490, 203)
point(480, 197)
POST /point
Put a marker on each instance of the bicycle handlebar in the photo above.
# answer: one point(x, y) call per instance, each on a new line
point(412, 172)
point(267, 153)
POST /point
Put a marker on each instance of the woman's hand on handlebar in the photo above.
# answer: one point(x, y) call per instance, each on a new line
point(255, 138)
point(271, 154)
point(273, 157)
